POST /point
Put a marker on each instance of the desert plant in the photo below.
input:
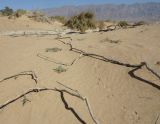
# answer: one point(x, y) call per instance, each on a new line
point(123, 24)
point(101, 25)
point(81, 22)
point(55, 49)
point(58, 18)
point(60, 69)
point(7, 11)
point(25, 100)
point(20, 12)
point(39, 17)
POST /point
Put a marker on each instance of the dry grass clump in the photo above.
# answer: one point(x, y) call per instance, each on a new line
point(101, 25)
point(82, 22)
point(58, 18)
point(123, 24)
point(39, 17)
point(60, 69)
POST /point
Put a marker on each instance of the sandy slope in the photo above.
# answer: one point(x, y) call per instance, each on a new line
point(114, 96)
point(24, 23)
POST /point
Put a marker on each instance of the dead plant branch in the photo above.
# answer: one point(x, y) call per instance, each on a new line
point(30, 73)
point(131, 73)
point(59, 63)
point(73, 92)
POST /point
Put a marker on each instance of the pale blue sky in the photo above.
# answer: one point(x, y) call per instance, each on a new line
point(38, 4)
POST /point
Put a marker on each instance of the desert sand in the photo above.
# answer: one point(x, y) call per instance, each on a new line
point(114, 96)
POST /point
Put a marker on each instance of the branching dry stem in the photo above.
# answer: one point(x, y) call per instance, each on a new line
point(30, 73)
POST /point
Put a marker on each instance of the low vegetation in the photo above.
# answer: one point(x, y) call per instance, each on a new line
point(55, 49)
point(101, 25)
point(82, 22)
point(20, 12)
point(39, 17)
point(60, 69)
point(7, 11)
point(58, 18)
point(123, 24)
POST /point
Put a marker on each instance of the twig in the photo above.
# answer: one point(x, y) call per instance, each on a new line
point(131, 73)
point(76, 91)
point(70, 108)
point(90, 111)
point(61, 91)
point(84, 99)
point(22, 95)
point(30, 73)
point(59, 63)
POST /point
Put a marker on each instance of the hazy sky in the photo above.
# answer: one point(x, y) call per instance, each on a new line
point(37, 4)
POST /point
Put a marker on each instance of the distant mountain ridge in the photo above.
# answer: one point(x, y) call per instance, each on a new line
point(132, 12)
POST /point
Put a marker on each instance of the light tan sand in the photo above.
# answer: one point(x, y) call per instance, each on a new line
point(115, 97)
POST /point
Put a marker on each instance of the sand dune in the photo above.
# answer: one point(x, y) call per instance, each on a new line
point(113, 95)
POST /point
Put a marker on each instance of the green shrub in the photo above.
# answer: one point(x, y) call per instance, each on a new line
point(58, 18)
point(81, 22)
point(19, 13)
point(7, 11)
point(123, 24)
point(60, 69)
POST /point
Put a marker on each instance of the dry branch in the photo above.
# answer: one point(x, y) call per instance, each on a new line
point(61, 91)
point(84, 99)
point(131, 73)
point(30, 73)
point(59, 63)
point(37, 90)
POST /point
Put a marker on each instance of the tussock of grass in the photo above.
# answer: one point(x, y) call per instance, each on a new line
point(123, 24)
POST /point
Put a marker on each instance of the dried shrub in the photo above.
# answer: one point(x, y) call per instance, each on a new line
point(82, 22)
point(101, 25)
point(19, 13)
point(58, 18)
point(123, 24)
point(39, 17)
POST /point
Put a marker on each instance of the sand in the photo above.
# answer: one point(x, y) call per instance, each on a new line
point(114, 96)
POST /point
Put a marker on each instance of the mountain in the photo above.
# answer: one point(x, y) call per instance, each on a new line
point(131, 12)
